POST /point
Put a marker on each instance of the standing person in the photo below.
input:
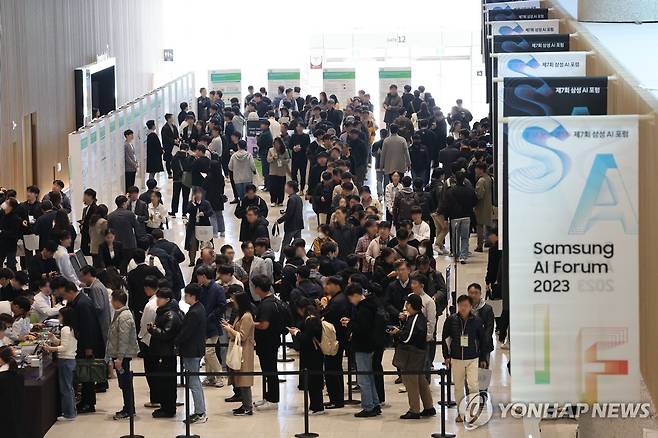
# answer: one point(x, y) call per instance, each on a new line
point(392, 105)
point(335, 307)
point(460, 200)
point(191, 345)
point(418, 287)
point(65, 202)
point(203, 105)
point(484, 205)
point(420, 158)
point(125, 226)
point(121, 349)
point(154, 151)
point(268, 337)
point(410, 356)
point(149, 289)
point(157, 213)
point(88, 334)
point(265, 142)
point(199, 212)
point(463, 353)
point(213, 298)
point(130, 160)
point(394, 156)
point(65, 347)
point(448, 155)
point(170, 138)
point(293, 217)
point(244, 326)
point(359, 154)
point(404, 202)
point(278, 160)
point(376, 151)
point(485, 312)
point(214, 189)
point(311, 358)
point(361, 330)
point(10, 232)
point(437, 200)
point(242, 168)
point(181, 164)
point(299, 143)
point(163, 332)
point(99, 297)
point(89, 201)
point(391, 193)
point(97, 228)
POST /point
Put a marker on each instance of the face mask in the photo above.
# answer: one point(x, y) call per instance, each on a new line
point(422, 251)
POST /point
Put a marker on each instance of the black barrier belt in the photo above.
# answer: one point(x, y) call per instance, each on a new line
point(305, 373)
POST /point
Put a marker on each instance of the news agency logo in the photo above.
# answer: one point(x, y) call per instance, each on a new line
point(475, 410)
point(575, 410)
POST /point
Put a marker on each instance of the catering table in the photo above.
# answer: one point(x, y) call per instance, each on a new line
point(40, 401)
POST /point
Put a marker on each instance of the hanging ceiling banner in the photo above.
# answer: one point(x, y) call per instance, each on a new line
point(576, 178)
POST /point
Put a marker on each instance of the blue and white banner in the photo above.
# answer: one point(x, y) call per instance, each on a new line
point(522, 65)
point(522, 27)
point(572, 221)
point(502, 6)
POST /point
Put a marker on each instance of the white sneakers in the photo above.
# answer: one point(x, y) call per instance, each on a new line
point(264, 405)
point(62, 418)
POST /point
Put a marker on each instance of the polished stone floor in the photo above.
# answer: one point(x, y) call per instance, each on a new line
point(288, 419)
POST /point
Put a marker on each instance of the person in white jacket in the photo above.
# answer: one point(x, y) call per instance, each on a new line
point(242, 167)
point(65, 347)
point(391, 190)
point(418, 285)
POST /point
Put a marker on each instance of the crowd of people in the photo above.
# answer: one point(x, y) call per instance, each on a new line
point(366, 282)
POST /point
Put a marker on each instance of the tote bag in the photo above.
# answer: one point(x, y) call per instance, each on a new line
point(203, 233)
point(275, 240)
point(234, 354)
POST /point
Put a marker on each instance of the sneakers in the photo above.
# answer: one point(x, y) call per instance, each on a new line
point(410, 416)
point(233, 399)
point(366, 414)
point(241, 412)
point(378, 409)
point(62, 418)
point(273, 204)
point(318, 412)
point(259, 403)
point(151, 405)
point(267, 406)
point(430, 412)
point(462, 260)
point(402, 389)
point(197, 419)
point(479, 249)
point(159, 413)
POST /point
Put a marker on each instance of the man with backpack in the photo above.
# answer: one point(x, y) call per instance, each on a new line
point(404, 201)
point(269, 325)
point(335, 306)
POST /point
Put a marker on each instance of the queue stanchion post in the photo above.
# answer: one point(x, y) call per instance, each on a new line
point(444, 387)
point(186, 378)
point(350, 400)
point(306, 433)
point(284, 355)
point(131, 419)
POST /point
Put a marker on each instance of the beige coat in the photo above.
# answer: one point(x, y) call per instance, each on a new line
point(484, 206)
point(279, 165)
point(245, 326)
point(96, 235)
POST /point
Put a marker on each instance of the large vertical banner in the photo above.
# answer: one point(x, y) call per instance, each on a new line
point(289, 78)
point(102, 170)
point(389, 76)
point(229, 82)
point(541, 64)
point(341, 82)
point(573, 258)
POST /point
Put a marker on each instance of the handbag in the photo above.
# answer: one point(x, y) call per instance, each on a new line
point(203, 233)
point(31, 242)
point(276, 239)
point(90, 370)
point(234, 354)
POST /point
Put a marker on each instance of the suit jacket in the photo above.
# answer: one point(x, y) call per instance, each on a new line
point(44, 226)
point(88, 331)
point(141, 210)
point(135, 282)
point(169, 133)
point(117, 261)
point(293, 218)
point(125, 225)
point(170, 248)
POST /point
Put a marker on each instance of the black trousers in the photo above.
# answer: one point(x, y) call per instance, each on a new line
point(150, 365)
point(299, 168)
point(377, 366)
point(130, 179)
point(165, 387)
point(167, 159)
point(335, 382)
point(503, 325)
point(175, 196)
point(277, 188)
point(267, 357)
point(88, 394)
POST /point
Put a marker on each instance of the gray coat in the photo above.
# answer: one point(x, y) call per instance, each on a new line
point(129, 158)
point(122, 337)
point(124, 223)
point(484, 205)
point(101, 299)
point(394, 156)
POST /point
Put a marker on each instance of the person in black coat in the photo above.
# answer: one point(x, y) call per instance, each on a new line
point(11, 404)
point(214, 187)
point(199, 212)
point(420, 159)
point(10, 232)
point(299, 142)
point(191, 343)
point(154, 151)
point(309, 335)
point(170, 138)
point(167, 326)
point(200, 166)
point(44, 225)
point(398, 289)
point(359, 154)
point(335, 306)
point(135, 283)
point(89, 199)
point(112, 253)
point(42, 265)
point(293, 217)
point(343, 233)
point(180, 163)
point(449, 155)
point(88, 334)
point(169, 247)
point(253, 225)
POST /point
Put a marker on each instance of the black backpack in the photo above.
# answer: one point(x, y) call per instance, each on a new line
point(284, 316)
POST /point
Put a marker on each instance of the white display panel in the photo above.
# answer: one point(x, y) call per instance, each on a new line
point(341, 82)
point(229, 82)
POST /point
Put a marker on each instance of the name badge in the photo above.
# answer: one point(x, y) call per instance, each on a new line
point(463, 341)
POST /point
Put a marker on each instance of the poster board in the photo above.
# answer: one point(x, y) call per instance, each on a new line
point(229, 82)
point(341, 82)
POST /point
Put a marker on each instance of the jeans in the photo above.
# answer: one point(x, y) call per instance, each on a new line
point(240, 189)
point(369, 397)
point(461, 231)
point(212, 362)
point(381, 181)
point(65, 368)
point(192, 365)
point(217, 222)
point(125, 383)
point(267, 357)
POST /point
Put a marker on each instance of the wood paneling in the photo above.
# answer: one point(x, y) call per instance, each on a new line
point(626, 96)
point(41, 43)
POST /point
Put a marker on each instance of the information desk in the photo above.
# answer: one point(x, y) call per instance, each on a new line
point(40, 401)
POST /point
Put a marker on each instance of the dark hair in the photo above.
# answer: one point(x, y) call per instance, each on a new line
point(475, 285)
point(194, 290)
point(261, 282)
point(128, 132)
point(120, 296)
point(226, 269)
point(150, 281)
point(6, 273)
point(262, 241)
point(328, 247)
point(420, 278)
point(22, 302)
point(403, 234)
point(150, 124)
point(165, 293)
point(89, 270)
point(139, 255)
point(206, 271)
point(353, 289)
point(415, 302)
point(120, 200)
point(243, 301)
point(394, 129)
point(464, 298)
point(7, 356)
point(294, 185)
